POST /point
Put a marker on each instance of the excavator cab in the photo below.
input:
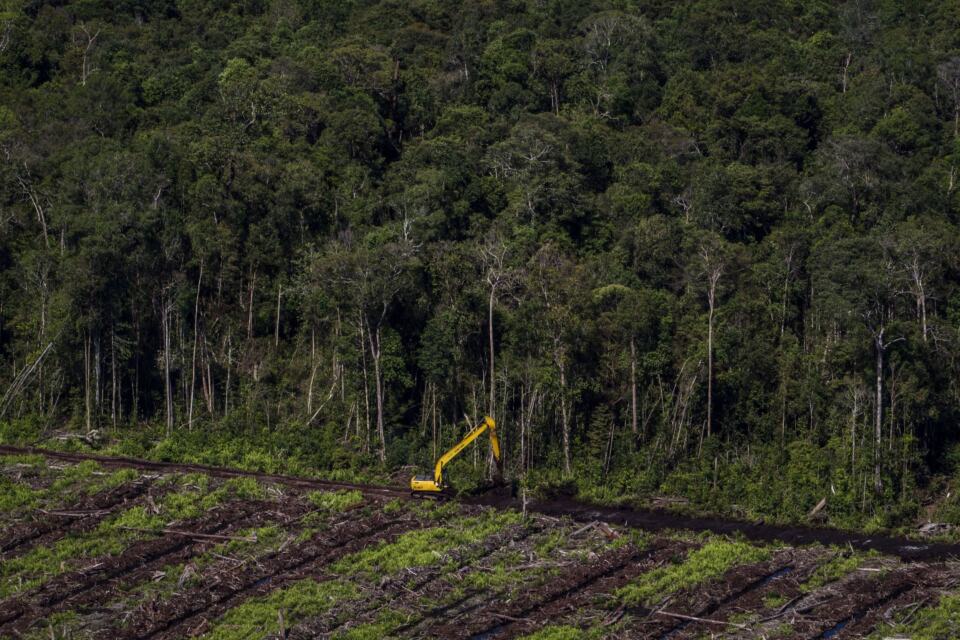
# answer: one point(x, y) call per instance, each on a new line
point(433, 486)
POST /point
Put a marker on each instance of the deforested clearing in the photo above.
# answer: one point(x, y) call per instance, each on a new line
point(92, 553)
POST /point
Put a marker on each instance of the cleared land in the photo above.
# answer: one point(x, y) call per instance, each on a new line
point(90, 551)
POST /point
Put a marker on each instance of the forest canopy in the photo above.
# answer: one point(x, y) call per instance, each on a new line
point(705, 247)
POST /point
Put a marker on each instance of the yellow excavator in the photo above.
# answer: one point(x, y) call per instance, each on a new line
point(433, 486)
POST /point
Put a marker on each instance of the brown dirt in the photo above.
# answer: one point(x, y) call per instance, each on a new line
point(586, 605)
point(799, 566)
point(407, 590)
point(188, 612)
point(830, 610)
point(646, 519)
point(702, 601)
point(570, 580)
point(58, 593)
point(85, 514)
point(925, 585)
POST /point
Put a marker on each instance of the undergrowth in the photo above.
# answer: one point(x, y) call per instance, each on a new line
point(112, 535)
point(260, 617)
point(710, 561)
point(833, 570)
point(941, 622)
point(424, 547)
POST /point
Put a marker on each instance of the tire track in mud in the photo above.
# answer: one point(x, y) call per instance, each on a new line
point(189, 611)
point(784, 584)
point(402, 590)
point(257, 515)
point(646, 519)
point(931, 583)
point(833, 611)
point(577, 602)
point(19, 612)
point(571, 580)
point(210, 470)
point(85, 514)
point(704, 599)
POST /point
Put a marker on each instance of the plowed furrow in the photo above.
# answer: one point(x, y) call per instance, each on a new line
point(404, 591)
point(254, 514)
point(846, 603)
point(84, 515)
point(580, 602)
point(703, 600)
point(189, 611)
point(19, 612)
point(785, 584)
point(571, 580)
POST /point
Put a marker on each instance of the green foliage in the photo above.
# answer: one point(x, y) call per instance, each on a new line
point(424, 547)
point(335, 501)
point(285, 240)
point(376, 630)
point(834, 569)
point(940, 622)
point(298, 601)
point(116, 532)
point(557, 633)
point(708, 562)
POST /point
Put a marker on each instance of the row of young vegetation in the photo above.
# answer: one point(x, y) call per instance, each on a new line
point(700, 247)
point(446, 564)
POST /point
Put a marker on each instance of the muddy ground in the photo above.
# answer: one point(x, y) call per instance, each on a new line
point(270, 559)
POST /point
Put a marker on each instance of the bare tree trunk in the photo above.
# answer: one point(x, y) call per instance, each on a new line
point(276, 328)
point(226, 392)
point(193, 359)
point(313, 370)
point(565, 417)
point(366, 385)
point(877, 480)
point(253, 286)
point(167, 385)
point(87, 399)
point(710, 363)
point(491, 408)
point(633, 385)
point(113, 376)
point(373, 336)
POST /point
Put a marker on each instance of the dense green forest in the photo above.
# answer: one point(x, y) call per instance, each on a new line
point(705, 248)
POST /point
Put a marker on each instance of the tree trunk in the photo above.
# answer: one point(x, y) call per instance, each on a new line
point(253, 286)
point(633, 385)
point(276, 327)
point(710, 364)
point(378, 388)
point(366, 387)
point(193, 358)
point(167, 385)
point(87, 400)
point(491, 408)
point(878, 425)
point(564, 415)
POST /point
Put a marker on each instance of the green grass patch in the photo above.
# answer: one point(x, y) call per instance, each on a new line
point(386, 621)
point(119, 530)
point(941, 622)
point(335, 501)
point(260, 617)
point(710, 561)
point(774, 601)
point(833, 570)
point(15, 497)
point(562, 632)
point(424, 547)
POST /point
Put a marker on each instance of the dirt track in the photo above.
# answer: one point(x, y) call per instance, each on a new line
point(513, 576)
point(647, 520)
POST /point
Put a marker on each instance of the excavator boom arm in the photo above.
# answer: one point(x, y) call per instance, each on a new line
point(488, 423)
